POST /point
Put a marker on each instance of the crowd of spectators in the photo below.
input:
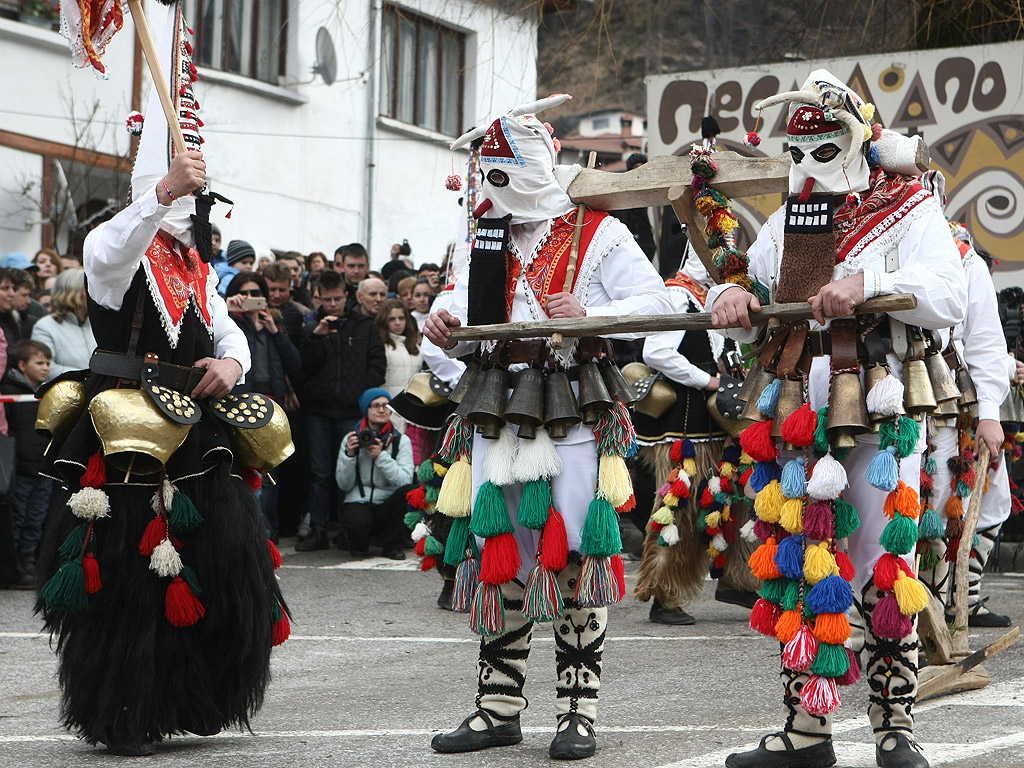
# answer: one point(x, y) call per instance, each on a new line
point(331, 341)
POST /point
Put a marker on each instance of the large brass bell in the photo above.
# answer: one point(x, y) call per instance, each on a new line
point(761, 379)
point(748, 382)
point(466, 383)
point(791, 397)
point(594, 395)
point(488, 413)
point(947, 410)
point(968, 394)
point(941, 378)
point(134, 434)
point(525, 408)
point(561, 410)
point(847, 413)
point(918, 395)
point(618, 387)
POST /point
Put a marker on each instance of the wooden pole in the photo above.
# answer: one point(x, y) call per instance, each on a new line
point(574, 252)
point(693, 321)
point(149, 50)
point(963, 553)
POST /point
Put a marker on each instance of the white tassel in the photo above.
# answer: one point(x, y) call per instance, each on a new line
point(828, 479)
point(670, 534)
point(165, 559)
point(886, 397)
point(538, 459)
point(168, 490)
point(500, 461)
point(90, 503)
point(719, 543)
point(715, 485)
point(420, 532)
point(747, 533)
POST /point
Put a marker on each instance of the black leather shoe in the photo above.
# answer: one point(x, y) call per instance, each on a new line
point(465, 739)
point(988, 619)
point(906, 754)
point(736, 597)
point(444, 600)
point(675, 616)
point(316, 540)
point(140, 748)
point(394, 554)
point(815, 756)
point(574, 739)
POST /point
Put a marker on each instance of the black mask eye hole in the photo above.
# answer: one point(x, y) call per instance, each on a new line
point(796, 154)
point(826, 153)
point(497, 178)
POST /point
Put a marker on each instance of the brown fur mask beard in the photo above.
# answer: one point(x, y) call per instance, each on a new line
point(809, 249)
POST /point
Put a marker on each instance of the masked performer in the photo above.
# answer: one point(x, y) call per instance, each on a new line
point(850, 231)
point(159, 582)
point(543, 505)
point(684, 436)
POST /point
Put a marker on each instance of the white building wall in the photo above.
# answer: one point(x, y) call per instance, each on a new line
point(294, 158)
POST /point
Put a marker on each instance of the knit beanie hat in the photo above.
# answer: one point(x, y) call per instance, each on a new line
point(369, 396)
point(238, 250)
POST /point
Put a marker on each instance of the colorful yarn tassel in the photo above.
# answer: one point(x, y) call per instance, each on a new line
point(487, 614)
point(542, 600)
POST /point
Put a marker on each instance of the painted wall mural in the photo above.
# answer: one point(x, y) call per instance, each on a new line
point(967, 103)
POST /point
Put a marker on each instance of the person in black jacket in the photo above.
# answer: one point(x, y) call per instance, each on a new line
point(31, 498)
point(342, 357)
point(274, 359)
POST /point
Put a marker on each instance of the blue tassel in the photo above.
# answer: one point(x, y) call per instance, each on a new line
point(832, 594)
point(931, 526)
point(884, 471)
point(790, 557)
point(632, 450)
point(794, 480)
point(688, 450)
point(873, 158)
point(769, 399)
point(731, 455)
point(764, 472)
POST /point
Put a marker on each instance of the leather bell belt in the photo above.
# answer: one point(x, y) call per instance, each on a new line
point(177, 377)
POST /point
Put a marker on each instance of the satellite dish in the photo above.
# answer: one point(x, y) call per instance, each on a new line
point(326, 60)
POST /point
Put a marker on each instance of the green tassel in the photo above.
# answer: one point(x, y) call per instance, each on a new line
point(910, 431)
point(184, 516)
point(458, 536)
point(899, 536)
point(929, 559)
point(433, 547)
point(930, 466)
point(791, 595)
point(275, 607)
point(831, 661)
point(490, 512)
point(840, 454)
point(820, 436)
point(534, 505)
point(73, 544)
point(189, 577)
point(963, 490)
point(662, 542)
point(65, 591)
point(931, 526)
point(774, 590)
point(426, 471)
point(600, 536)
point(412, 518)
point(886, 434)
point(847, 519)
point(431, 493)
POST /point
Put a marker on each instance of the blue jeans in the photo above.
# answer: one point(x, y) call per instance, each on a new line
point(324, 435)
point(29, 505)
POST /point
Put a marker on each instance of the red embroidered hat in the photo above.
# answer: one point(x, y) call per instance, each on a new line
point(809, 121)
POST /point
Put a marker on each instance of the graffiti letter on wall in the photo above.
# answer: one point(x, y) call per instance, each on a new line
point(960, 69)
point(681, 93)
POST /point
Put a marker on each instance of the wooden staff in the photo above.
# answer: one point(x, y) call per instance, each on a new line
point(149, 51)
point(574, 253)
point(963, 554)
point(692, 321)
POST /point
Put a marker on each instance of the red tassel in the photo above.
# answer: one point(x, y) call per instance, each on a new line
point(282, 629)
point(500, 561)
point(763, 617)
point(680, 489)
point(252, 478)
point(628, 506)
point(155, 532)
point(676, 452)
point(756, 440)
point(428, 563)
point(885, 571)
point(275, 555)
point(420, 547)
point(620, 573)
point(95, 475)
point(846, 569)
point(799, 428)
point(819, 696)
point(417, 498)
point(555, 553)
point(181, 606)
point(852, 675)
point(1016, 505)
point(92, 574)
point(719, 560)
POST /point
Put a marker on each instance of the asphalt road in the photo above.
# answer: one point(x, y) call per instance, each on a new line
point(373, 669)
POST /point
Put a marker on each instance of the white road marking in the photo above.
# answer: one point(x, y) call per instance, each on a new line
point(468, 638)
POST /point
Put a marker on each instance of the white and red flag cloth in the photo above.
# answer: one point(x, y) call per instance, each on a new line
point(88, 26)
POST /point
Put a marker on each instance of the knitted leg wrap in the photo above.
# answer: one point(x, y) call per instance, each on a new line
point(804, 729)
point(858, 626)
point(501, 670)
point(983, 546)
point(891, 673)
point(579, 645)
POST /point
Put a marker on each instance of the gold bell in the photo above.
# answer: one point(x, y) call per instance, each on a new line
point(918, 396)
point(941, 378)
point(594, 395)
point(748, 382)
point(847, 413)
point(791, 397)
point(968, 394)
point(947, 410)
point(561, 410)
point(134, 434)
point(265, 447)
point(618, 387)
point(525, 408)
point(59, 409)
point(488, 410)
point(466, 383)
point(420, 391)
point(656, 398)
point(760, 380)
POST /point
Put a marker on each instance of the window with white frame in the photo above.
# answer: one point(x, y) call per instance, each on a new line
point(422, 65)
point(247, 37)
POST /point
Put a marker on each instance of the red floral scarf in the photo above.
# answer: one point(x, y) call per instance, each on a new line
point(890, 197)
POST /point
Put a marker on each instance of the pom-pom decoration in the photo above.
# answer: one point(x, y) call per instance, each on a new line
point(133, 123)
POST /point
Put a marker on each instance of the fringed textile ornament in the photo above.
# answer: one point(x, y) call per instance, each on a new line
point(669, 535)
point(537, 459)
point(600, 536)
point(818, 521)
point(501, 458)
point(91, 574)
point(542, 600)
point(275, 555)
point(831, 661)
point(500, 560)
point(788, 625)
point(887, 621)
point(597, 584)
point(911, 595)
point(768, 502)
point(467, 577)
point(884, 470)
point(819, 696)
point(458, 541)
point(853, 673)
point(487, 614)
point(490, 512)
point(555, 553)
point(763, 617)
point(762, 561)
point(800, 650)
point(818, 563)
point(886, 397)
point(65, 590)
point(769, 399)
point(792, 515)
point(613, 482)
point(95, 475)
point(793, 479)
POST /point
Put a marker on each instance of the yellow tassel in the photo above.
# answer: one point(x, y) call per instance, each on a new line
point(440, 469)
point(613, 483)
point(792, 515)
point(455, 498)
point(712, 520)
point(867, 111)
point(768, 502)
point(690, 467)
point(910, 594)
point(726, 470)
point(664, 516)
point(712, 552)
point(867, 133)
point(986, 484)
point(818, 563)
point(726, 514)
point(671, 500)
point(746, 458)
